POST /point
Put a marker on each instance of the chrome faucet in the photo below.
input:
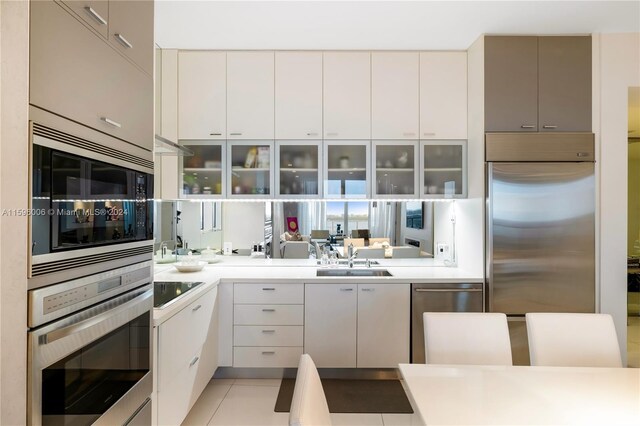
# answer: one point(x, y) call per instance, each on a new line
point(351, 255)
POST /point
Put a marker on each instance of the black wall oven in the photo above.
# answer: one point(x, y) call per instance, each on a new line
point(91, 207)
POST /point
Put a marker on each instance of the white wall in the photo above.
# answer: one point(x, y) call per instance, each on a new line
point(243, 223)
point(618, 68)
point(14, 160)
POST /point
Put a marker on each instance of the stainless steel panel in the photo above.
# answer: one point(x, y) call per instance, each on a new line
point(142, 417)
point(541, 237)
point(519, 340)
point(555, 147)
point(450, 297)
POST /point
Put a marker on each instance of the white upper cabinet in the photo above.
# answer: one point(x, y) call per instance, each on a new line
point(395, 95)
point(250, 95)
point(202, 95)
point(347, 95)
point(443, 95)
point(298, 95)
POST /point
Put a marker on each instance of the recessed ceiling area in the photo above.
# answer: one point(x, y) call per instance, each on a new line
point(397, 25)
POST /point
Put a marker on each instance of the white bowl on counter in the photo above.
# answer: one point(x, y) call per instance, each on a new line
point(190, 266)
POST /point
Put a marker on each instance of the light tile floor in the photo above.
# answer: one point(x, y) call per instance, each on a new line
point(244, 402)
point(633, 341)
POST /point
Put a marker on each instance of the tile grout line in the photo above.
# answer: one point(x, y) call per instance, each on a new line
point(221, 401)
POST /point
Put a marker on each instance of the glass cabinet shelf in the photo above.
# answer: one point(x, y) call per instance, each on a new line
point(444, 169)
point(395, 169)
point(249, 174)
point(347, 169)
point(298, 168)
point(202, 174)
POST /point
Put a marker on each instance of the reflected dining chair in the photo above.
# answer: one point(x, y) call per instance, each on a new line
point(406, 252)
point(319, 234)
point(357, 242)
point(309, 404)
point(466, 338)
point(572, 340)
point(370, 253)
point(295, 250)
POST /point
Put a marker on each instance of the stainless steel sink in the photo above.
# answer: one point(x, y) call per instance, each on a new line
point(355, 262)
point(353, 273)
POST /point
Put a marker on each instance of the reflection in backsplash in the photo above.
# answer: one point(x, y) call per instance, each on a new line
point(278, 226)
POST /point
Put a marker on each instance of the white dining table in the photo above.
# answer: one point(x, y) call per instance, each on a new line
point(514, 395)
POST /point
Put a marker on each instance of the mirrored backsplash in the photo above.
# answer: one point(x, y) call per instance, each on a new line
point(305, 229)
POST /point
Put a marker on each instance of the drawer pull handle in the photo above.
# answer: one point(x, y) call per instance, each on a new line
point(95, 15)
point(527, 126)
point(368, 289)
point(215, 134)
point(332, 134)
point(236, 134)
point(429, 133)
point(268, 352)
point(408, 134)
point(268, 331)
point(268, 310)
point(549, 126)
point(346, 289)
point(111, 122)
point(196, 308)
point(312, 134)
point(448, 290)
point(268, 288)
point(193, 361)
point(124, 41)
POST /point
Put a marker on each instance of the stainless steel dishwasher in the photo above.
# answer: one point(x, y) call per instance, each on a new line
point(444, 297)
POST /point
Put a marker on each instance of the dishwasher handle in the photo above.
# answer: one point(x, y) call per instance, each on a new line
point(447, 290)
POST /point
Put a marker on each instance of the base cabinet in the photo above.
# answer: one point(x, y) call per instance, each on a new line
point(187, 357)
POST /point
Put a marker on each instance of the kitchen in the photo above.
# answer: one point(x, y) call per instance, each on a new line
point(358, 118)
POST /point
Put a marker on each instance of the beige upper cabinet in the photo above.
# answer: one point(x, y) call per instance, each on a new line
point(395, 95)
point(250, 95)
point(298, 95)
point(93, 12)
point(347, 95)
point(131, 30)
point(538, 84)
point(564, 99)
point(202, 95)
point(443, 95)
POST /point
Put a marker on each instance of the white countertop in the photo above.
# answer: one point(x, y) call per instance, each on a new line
point(523, 395)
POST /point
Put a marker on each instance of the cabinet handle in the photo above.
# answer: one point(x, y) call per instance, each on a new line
point(448, 290)
point(268, 288)
point(124, 41)
point(111, 122)
point(268, 352)
point(527, 126)
point(346, 289)
point(215, 134)
point(95, 15)
point(408, 134)
point(330, 134)
point(549, 126)
point(193, 361)
point(429, 134)
point(268, 310)
point(196, 308)
point(368, 289)
point(312, 134)
point(235, 134)
point(268, 331)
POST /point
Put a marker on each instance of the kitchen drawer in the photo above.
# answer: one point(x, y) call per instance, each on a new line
point(183, 335)
point(268, 293)
point(268, 315)
point(267, 357)
point(279, 335)
point(74, 73)
point(176, 396)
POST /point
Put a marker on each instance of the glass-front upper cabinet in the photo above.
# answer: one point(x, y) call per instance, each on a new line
point(395, 163)
point(298, 169)
point(444, 169)
point(347, 170)
point(203, 173)
point(249, 173)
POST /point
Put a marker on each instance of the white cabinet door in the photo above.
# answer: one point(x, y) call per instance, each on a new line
point(298, 95)
point(394, 95)
point(384, 312)
point(330, 324)
point(250, 95)
point(202, 97)
point(347, 95)
point(443, 95)
point(225, 325)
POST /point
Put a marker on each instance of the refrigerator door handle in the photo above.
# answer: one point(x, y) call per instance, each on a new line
point(489, 240)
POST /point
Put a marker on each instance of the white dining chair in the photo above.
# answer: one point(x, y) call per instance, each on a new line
point(308, 405)
point(405, 252)
point(370, 253)
point(466, 338)
point(572, 340)
point(295, 250)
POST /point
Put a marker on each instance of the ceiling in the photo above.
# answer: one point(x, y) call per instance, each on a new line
point(419, 25)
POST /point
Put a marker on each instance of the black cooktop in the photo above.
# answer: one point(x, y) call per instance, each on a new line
point(166, 291)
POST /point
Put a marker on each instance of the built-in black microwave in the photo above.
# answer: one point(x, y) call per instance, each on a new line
point(89, 206)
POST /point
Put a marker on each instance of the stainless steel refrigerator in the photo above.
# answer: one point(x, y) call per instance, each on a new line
point(540, 227)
